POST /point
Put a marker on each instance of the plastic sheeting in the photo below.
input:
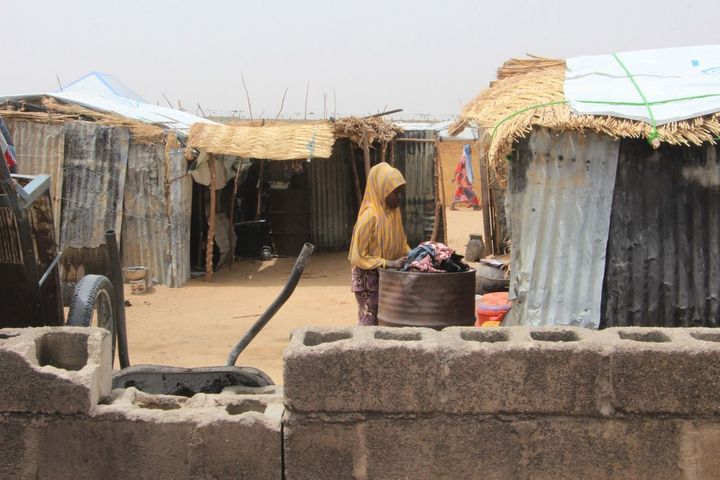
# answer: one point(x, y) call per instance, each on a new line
point(558, 203)
point(599, 85)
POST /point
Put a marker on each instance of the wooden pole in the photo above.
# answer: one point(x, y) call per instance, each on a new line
point(392, 152)
point(366, 155)
point(441, 180)
point(356, 177)
point(232, 207)
point(436, 221)
point(260, 186)
point(211, 221)
point(383, 150)
point(485, 193)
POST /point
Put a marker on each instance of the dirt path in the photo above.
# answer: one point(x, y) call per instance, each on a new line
point(198, 324)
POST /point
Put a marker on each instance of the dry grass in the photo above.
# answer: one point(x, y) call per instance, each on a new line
point(291, 141)
point(366, 129)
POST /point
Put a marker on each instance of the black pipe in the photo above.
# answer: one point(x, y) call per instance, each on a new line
point(289, 288)
point(116, 279)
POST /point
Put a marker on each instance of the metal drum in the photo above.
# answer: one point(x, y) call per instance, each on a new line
point(433, 300)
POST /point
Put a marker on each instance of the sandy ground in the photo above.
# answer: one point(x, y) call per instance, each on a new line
point(198, 324)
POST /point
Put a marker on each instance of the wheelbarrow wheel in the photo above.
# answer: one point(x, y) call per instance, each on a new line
point(92, 305)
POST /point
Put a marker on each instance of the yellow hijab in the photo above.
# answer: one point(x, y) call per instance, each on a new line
point(378, 234)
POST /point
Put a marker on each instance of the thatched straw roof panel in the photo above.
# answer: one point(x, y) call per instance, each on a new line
point(293, 141)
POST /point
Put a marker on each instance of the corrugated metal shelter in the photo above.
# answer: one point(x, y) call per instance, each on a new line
point(613, 221)
point(114, 163)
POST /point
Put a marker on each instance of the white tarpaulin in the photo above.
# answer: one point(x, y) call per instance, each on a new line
point(677, 83)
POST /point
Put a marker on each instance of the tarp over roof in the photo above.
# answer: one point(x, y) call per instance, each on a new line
point(530, 92)
point(102, 84)
point(104, 93)
point(441, 129)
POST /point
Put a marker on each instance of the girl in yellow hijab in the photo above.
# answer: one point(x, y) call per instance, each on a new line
point(378, 239)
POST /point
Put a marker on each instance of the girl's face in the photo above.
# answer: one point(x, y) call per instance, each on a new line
point(396, 197)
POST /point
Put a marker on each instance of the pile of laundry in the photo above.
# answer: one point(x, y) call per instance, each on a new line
point(434, 257)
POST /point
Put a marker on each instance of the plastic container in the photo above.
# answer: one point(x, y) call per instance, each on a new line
point(491, 307)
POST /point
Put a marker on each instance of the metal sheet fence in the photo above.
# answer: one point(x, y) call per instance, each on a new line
point(558, 203)
point(663, 254)
point(331, 200)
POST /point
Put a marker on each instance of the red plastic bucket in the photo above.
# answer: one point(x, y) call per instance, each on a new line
point(491, 307)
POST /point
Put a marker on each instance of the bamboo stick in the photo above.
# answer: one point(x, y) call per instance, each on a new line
point(260, 186)
point(366, 155)
point(436, 221)
point(232, 209)
point(356, 177)
point(211, 221)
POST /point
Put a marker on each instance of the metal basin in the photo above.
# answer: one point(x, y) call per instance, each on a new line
point(433, 300)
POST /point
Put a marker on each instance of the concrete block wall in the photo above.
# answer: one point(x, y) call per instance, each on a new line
point(502, 403)
point(59, 418)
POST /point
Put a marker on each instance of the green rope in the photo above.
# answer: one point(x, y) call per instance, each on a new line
point(653, 133)
point(527, 109)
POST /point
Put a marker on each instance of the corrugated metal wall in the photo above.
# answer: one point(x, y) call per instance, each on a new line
point(663, 254)
point(558, 204)
point(416, 160)
point(112, 178)
point(93, 188)
point(180, 212)
point(40, 149)
point(146, 227)
point(331, 200)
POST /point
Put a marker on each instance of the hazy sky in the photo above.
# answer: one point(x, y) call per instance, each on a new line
point(425, 57)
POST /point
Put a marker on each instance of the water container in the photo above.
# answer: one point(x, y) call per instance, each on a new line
point(491, 307)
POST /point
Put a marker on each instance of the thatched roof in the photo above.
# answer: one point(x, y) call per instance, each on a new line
point(529, 93)
point(289, 141)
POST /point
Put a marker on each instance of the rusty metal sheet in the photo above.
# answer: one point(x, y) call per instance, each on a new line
point(40, 149)
point(93, 190)
point(331, 200)
point(146, 227)
point(558, 205)
point(663, 254)
point(433, 300)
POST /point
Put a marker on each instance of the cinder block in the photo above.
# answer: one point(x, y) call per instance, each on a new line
point(699, 455)
point(316, 449)
point(86, 447)
point(54, 369)
point(248, 446)
point(524, 371)
point(440, 447)
point(18, 449)
point(665, 370)
point(589, 449)
point(366, 369)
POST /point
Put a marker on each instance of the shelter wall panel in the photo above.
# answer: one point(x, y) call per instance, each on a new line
point(558, 206)
point(417, 163)
point(40, 149)
point(663, 263)
point(146, 229)
point(93, 190)
point(180, 213)
point(331, 201)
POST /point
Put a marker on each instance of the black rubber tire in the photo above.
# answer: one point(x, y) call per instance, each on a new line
point(93, 292)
